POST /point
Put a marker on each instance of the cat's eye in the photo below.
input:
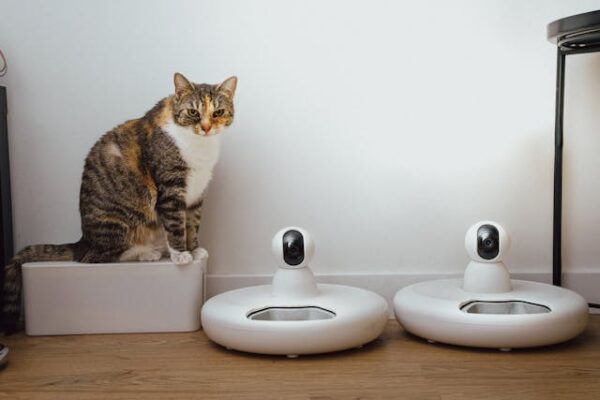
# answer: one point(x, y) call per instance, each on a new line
point(193, 112)
point(218, 113)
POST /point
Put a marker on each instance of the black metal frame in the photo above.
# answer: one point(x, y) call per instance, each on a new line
point(569, 44)
point(558, 154)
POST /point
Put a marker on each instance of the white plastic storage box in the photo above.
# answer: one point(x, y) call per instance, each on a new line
point(64, 298)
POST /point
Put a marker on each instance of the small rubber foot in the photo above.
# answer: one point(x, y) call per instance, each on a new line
point(292, 356)
point(228, 348)
point(505, 349)
point(359, 347)
point(430, 341)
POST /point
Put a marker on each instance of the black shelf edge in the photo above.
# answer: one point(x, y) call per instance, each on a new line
point(576, 34)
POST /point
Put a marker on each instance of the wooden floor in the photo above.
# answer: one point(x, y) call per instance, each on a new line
point(396, 366)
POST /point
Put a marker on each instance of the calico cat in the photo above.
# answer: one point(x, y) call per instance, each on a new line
point(142, 187)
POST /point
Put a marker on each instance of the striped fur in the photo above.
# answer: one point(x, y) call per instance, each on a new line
point(142, 187)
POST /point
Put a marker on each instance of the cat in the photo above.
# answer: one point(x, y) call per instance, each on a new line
point(142, 187)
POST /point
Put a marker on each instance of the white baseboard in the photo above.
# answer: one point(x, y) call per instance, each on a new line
point(585, 283)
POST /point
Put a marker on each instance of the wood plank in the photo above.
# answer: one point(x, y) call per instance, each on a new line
point(397, 365)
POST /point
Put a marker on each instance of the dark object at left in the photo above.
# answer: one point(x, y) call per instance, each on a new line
point(6, 233)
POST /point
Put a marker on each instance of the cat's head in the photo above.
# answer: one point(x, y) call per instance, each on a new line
point(207, 109)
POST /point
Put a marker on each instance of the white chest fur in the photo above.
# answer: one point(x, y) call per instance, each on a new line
point(200, 153)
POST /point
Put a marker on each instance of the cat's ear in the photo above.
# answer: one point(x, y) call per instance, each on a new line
point(182, 85)
point(228, 86)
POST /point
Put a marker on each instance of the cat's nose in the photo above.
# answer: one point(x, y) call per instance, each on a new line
point(205, 127)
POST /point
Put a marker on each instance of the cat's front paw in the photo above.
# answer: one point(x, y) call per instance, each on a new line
point(199, 254)
point(153, 255)
point(180, 257)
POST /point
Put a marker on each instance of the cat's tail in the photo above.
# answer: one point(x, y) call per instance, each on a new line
point(12, 285)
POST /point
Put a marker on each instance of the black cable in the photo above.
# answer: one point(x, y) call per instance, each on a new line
point(593, 305)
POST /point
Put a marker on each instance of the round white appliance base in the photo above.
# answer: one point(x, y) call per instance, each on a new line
point(253, 320)
point(532, 314)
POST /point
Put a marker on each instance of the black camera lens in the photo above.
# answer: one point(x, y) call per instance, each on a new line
point(488, 242)
point(293, 247)
point(293, 250)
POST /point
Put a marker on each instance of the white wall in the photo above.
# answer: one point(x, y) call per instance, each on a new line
point(385, 128)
